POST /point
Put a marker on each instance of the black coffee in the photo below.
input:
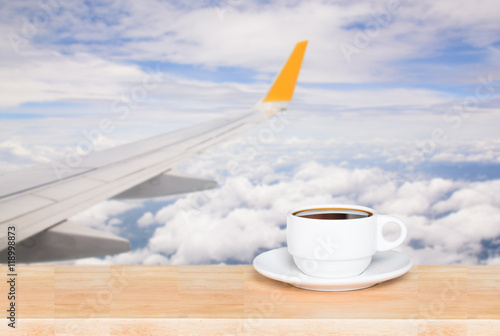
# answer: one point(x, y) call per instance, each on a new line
point(333, 214)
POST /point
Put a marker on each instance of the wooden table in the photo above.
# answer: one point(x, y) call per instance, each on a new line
point(236, 300)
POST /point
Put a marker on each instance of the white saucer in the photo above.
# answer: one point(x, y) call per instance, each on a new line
point(278, 264)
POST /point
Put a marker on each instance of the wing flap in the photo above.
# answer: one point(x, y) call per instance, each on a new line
point(69, 241)
point(170, 183)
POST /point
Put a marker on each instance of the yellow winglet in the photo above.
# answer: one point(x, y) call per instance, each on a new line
point(284, 85)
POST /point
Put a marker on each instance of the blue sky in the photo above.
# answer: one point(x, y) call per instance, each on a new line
point(378, 80)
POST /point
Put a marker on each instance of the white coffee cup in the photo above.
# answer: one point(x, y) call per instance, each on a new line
point(337, 240)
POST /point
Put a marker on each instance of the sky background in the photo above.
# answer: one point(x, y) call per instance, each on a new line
point(396, 108)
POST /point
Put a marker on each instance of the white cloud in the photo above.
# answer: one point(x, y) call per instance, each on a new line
point(58, 77)
point(377, 98)
point(115, 221)
point(86, 55)
point(100, 215)
point(493, 261)
point(471, 194)
point(478, 151)
point(14, 155)
point(416, 198)
point(146, 220)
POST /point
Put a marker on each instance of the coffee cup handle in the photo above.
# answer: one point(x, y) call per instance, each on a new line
point(382, 243)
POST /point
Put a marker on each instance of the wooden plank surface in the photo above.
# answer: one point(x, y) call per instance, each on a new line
point(236, 300)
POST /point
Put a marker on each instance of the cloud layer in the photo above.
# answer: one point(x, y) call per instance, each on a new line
point(91, 51)
point(450, 221)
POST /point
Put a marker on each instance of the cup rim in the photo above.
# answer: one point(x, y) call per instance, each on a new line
point(294, 211)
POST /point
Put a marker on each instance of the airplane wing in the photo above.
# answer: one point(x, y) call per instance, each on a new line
point(35, 203)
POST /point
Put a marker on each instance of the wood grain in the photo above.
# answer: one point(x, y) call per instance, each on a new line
point(238, 327)
point(236, 300)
